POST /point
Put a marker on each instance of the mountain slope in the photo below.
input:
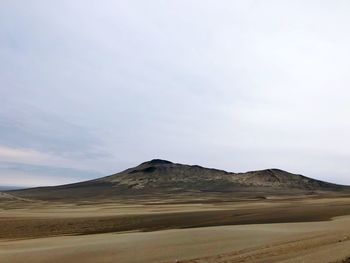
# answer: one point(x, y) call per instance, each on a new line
point(159, 177)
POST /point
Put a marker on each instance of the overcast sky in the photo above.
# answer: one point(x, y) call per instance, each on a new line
point(89, 88)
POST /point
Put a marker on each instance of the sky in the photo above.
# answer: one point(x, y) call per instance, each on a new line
point(90, 88)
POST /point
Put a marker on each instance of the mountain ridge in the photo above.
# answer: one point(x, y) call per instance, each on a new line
point(157, 177)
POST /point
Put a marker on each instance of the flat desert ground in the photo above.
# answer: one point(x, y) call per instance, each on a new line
point(310, 229)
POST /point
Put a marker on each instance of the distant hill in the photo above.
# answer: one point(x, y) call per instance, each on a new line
point(5, 188)
point(160, 177)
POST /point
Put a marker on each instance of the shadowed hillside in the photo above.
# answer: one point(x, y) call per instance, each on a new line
point(160, 177)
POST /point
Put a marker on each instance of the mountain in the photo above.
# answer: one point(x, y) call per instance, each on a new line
point(161, 177)
point(4, 188)
point(9, 197)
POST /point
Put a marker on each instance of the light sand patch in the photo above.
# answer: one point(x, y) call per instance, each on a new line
point(209, 244)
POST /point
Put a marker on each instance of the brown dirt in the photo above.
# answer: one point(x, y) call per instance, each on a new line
point(19, 227)
point(247, 231)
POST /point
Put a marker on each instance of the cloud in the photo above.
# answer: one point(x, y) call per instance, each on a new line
point(27, 167)
point(234, 85)
point(23, 155)
point(12, 178)
point(28, 126)
point(29, 156)
point(28, 175)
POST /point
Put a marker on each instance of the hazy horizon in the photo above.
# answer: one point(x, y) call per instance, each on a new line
point(87, 90)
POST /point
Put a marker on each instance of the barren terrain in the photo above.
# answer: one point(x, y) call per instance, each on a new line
point(306, 229)
point(161, 211)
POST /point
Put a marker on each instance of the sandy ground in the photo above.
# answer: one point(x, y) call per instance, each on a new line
point(256, 241)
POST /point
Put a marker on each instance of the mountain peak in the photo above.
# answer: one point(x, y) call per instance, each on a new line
point(157, 161)
point(159, 176)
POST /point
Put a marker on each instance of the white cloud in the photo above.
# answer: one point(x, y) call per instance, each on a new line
point(236, 85)
point(29, 180)
point(29, 156)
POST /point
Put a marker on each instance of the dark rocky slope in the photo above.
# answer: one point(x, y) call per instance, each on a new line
point(160, 177)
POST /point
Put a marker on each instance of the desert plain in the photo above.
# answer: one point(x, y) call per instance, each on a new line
point(214, 228)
